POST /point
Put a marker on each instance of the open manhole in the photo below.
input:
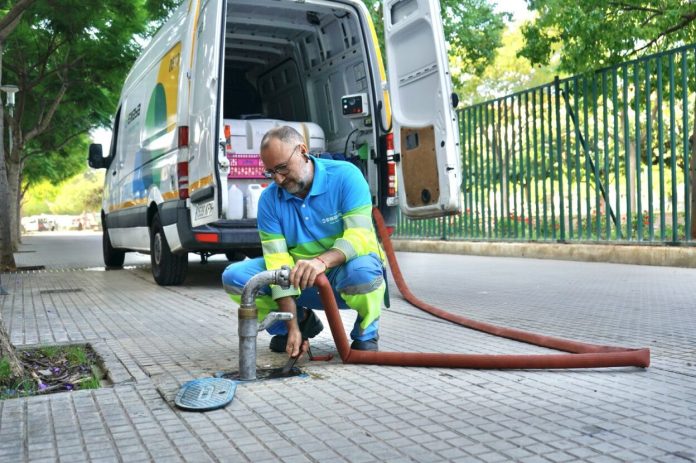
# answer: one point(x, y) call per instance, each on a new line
point(263, 374)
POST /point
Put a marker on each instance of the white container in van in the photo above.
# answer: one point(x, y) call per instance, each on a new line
point(235, 203)
point(252, 200)
point(259, 64)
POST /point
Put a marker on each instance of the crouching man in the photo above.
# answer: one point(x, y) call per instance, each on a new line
point(316, 217)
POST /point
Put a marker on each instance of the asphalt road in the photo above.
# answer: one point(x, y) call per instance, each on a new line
point(77, 250)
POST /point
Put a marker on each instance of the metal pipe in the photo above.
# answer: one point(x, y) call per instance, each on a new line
point(247, 314)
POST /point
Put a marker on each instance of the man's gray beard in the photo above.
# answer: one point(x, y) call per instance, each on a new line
point(299, 188)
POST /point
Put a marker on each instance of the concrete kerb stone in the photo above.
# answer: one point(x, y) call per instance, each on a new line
point(664, 256)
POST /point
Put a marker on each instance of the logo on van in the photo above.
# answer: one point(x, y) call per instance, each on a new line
point(133, 114)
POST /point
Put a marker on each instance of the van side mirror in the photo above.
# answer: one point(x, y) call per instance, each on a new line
point(96, 157)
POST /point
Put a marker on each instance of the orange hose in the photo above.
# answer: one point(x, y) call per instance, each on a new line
point(583, 355)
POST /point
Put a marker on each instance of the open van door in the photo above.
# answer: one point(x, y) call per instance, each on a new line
point(426, 132)
point(204, 84)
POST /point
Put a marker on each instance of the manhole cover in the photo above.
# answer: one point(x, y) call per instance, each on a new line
point(205, 394)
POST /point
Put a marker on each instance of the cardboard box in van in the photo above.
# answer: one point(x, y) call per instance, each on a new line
point(183, 172)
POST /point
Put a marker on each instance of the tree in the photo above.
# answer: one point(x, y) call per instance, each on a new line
point(508, 73)
point(69, 60)
point(7, 24)
point(596, 33)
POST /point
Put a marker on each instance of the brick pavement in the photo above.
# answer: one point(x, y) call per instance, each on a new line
point(153, 339)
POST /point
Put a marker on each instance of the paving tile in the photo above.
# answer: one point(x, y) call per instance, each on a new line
point(155, 338)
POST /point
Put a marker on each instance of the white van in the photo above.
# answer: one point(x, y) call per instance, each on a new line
point(183, 169)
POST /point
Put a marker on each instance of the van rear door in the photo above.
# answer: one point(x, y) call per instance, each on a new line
point(426, 133)
point(204, 88)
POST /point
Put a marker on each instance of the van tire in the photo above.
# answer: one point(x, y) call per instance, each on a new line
point(113, 258)
point(168, 269)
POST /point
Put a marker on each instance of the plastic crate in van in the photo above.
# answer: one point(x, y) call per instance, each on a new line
point(245, 165)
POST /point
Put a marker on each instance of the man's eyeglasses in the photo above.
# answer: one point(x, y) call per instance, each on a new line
point(280, 169)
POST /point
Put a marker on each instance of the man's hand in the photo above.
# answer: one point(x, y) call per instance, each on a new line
point(305, 272)
point(296, 346)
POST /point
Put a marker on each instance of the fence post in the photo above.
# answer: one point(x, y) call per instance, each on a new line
point(559, 151)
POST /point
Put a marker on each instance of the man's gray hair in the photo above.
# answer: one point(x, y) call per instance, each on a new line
point(285, 134)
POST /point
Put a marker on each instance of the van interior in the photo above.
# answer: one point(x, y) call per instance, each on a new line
point(294, 61)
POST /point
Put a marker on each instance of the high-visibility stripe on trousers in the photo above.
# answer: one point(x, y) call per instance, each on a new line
point(358, 284)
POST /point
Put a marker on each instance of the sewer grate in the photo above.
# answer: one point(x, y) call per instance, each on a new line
point(60, 290)
point(205, 394)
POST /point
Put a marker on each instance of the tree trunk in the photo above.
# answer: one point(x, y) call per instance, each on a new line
point(14, 170)
point(7, 261)
point(7, 351)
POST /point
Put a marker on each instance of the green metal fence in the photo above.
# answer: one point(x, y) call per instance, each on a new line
point(606, 156)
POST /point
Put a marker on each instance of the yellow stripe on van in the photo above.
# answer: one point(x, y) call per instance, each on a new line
point(382, 73)
point(128, 204)
point(201, 183)
point(169, 195)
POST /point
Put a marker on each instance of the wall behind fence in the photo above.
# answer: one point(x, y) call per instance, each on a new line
point(606, 156)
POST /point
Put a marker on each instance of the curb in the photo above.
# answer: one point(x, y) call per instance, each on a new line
point(663, 256)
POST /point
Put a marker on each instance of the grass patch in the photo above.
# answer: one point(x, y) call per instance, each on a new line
point(4, 369)
point(51, 369)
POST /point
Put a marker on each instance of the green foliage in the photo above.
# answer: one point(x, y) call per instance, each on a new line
point(5, 370)
point(472, 28)
point(94, 382)
point(595, 33)
point(76, 354)
point(69, 60)
point(38, 199)
point(52, 369)
point(49, 351)
point(80, 193)
point(508, 73)
point(58, 165)
point(474, 31)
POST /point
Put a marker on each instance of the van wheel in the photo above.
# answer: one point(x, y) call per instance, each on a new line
point(168, 269)
point(113, 258)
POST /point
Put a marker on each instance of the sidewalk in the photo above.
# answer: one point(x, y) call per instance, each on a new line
point(153, 339)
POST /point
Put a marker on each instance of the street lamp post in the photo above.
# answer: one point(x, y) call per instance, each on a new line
point(10, 90)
